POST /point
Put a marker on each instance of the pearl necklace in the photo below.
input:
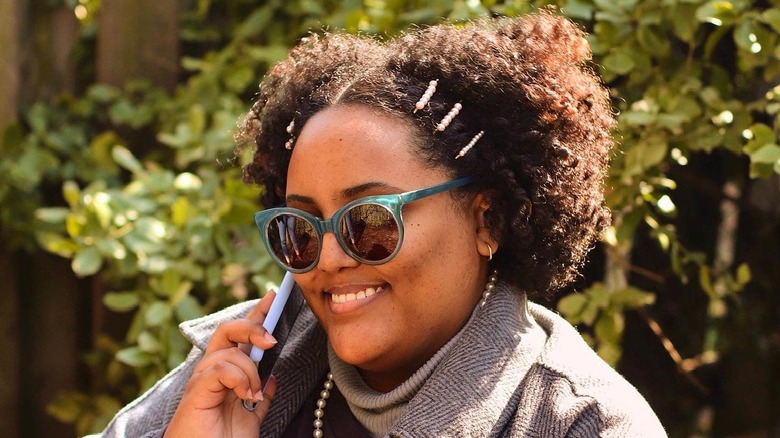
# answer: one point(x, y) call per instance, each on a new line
point(319, 413)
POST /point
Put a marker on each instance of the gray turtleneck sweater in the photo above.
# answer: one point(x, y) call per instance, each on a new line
point(498, 378)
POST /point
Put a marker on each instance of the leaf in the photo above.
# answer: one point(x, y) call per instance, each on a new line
point(188, 309)
point(29, 169)
point(87, 261)
point(109, 247)
point(125, 158)
point(148, 342)
point(609, 352)
point(56, 244)
point(650, 39)
point(654, 153)
point(187, 181)
point(764, 160)
point(102, 93)
point(619, 62)
point(716, 12)
point(766, 154)
point(133, 356)
point(578, 9)
point(268, 54)
point(121, 301)
point(772, 18)
point(611, 6)
point(100, 150)
point(571, 306)
point(71, 193)
point(638, 118)
point(683, 21)
point(743, 274)
point(609, 327)
point(197, 120)
point(589, 312)
point(67, 406)
point(101, 205)
point(52, 215)
point(167, 284)
point(12, 141)
point(644, 155)
point(182, 211)
point(256, 22)
point(746, 34)
point(705, 281)
point(157, 313)
point(147, 236)
point(632, 297)
point(74, 224)
point(238, 79)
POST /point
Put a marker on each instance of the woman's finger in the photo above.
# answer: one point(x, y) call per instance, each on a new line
point(241, 331)
point(235, 357)
point(208, 388)
point(268, 396)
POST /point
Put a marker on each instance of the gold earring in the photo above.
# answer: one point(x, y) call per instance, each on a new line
point(490, 252)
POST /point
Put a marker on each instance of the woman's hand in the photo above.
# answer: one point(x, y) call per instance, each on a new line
point(212, 403)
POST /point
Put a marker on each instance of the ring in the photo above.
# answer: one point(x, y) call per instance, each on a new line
point(250, 405)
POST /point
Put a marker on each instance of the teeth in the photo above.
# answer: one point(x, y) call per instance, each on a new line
point(343, 298)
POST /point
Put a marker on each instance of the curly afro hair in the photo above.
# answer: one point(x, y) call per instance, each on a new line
point(526, 83)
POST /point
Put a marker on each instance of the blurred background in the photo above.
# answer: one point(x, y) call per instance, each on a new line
point(122, 212)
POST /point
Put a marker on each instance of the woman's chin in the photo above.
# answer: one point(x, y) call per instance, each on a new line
point(356, 352)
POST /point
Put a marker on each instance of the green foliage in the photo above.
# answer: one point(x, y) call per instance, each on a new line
point(667, 63)
point(602, 310)
point(143, 190)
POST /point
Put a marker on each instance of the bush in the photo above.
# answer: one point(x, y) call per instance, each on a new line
point(152, 204)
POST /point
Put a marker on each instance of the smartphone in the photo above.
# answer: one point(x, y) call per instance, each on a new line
point(279, 321)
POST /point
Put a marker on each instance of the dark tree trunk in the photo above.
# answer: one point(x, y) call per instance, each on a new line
point(139, 39)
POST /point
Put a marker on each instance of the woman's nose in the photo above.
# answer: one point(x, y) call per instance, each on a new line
point(332, 255)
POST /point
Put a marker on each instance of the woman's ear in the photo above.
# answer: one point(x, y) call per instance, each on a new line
point(486, 244)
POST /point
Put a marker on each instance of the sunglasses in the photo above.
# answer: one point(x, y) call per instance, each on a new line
point(370, 229)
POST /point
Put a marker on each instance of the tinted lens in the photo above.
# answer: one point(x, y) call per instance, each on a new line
point(370, 231)
point(293, 241)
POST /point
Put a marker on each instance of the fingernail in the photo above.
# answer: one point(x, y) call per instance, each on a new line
point(270, 338)
point(249, 394)
point(259, 396)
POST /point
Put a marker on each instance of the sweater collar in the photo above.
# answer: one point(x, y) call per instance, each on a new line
point(480, 375)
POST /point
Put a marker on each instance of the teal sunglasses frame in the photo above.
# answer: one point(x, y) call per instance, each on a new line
point(393, 203)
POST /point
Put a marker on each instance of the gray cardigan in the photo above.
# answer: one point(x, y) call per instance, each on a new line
point(485, 387)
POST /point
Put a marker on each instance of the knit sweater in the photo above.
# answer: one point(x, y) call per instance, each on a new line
point(486, 386)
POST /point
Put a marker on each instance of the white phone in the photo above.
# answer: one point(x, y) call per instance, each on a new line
point(264, 368)
point(274, 313)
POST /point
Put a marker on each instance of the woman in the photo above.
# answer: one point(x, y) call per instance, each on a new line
point(416, 321)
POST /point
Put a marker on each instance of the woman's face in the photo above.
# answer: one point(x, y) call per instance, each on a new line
point(427, 292)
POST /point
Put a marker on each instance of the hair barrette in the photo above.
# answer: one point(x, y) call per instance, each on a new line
point(445, 122)
point(470, 145)
point(426, 97)
point(288, 145)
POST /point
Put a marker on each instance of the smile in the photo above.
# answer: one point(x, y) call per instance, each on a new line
point(363, 294)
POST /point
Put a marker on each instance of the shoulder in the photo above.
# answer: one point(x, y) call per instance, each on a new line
point(570, 391)
point(150, 413)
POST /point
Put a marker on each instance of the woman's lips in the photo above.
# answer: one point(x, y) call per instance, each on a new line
point(347, 302)
point(355, 296)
